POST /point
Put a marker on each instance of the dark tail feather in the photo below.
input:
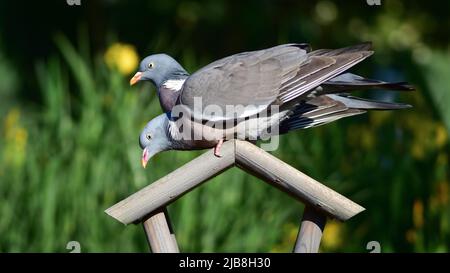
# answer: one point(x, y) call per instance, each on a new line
point(350, 82)
point(365, 104)
point(328, 108)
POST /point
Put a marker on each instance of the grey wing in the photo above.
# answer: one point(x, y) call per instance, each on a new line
point(260, 78)
point(250, 79)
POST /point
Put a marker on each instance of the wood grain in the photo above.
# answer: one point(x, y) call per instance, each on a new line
point(310, 233)
point(249, 158)
point(159, 232)
point(281, 175)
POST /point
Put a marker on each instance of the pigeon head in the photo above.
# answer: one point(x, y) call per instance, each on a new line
point(153, 138)
point(158, 68)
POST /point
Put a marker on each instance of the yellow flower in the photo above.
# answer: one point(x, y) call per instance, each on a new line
point(441, 135)
point(332, 235)
point(122, 57)
point(15, 139)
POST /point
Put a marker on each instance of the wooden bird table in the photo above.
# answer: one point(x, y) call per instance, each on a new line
point(148, 205)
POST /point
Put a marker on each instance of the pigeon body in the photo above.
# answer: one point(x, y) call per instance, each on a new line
point(307, 88)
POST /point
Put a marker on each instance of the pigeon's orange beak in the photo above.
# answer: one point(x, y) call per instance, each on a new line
point(145, 157)
point(136, 78)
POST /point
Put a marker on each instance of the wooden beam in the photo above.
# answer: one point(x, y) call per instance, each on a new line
point(310, 232)
point(170, 187)
point(159, 232)
point(281, 175)
point(248, 157)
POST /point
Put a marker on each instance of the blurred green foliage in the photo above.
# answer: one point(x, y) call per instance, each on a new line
point(70, 122)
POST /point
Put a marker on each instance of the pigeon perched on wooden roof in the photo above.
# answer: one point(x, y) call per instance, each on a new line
point(309, 88)
point(166, 74)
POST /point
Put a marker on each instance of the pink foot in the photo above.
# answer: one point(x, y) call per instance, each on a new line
point(217, 148)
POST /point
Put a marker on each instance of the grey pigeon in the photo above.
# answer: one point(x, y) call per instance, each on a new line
point(166, 74)
point(309, 88)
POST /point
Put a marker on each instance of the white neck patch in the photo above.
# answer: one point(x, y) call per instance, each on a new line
point(174, 85)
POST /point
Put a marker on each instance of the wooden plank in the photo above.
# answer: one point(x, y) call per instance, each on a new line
point(277, 173)
point(159, 232)
point(310, 233)
point(170, 187)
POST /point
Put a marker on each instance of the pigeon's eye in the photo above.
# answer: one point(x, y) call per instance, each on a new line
point(151, 65)
point(148, 136)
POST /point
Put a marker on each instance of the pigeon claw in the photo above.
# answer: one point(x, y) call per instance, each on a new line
point(217, 148)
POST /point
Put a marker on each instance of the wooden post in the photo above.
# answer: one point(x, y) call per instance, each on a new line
point(159, 232)
point(311, 230)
